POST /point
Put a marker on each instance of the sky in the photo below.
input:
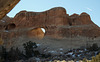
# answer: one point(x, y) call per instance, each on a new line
point(92, 7)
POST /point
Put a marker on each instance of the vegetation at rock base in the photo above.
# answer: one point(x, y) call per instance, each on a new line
point(29, 49)
point(94, 47)
point(15, 54)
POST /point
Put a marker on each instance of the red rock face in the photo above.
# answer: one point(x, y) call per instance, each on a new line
point(4, 22)
point(56, 23)
point(51, 17)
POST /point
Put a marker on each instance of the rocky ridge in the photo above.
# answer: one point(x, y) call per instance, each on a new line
point(56, 22)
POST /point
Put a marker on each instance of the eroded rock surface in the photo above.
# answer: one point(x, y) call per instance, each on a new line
point(57, 23)
point(70, 30)
point(6, 6)
point(36, 33)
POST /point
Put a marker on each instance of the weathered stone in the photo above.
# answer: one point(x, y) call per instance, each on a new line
point(57, 24)
point(6, 6)
point(4, 22)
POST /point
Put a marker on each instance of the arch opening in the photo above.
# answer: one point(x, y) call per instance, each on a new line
point(43, 30)
point(10, 26)
point(37, 33)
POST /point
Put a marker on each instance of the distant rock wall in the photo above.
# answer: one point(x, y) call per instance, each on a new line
point(56, 22)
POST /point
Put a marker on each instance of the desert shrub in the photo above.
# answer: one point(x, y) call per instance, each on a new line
point(1, 60)
point(15, 54)
point(45, 55)
point(11, 55)
point(94, 47)
point(3, 53)
point(29, 49)
point(36, 53)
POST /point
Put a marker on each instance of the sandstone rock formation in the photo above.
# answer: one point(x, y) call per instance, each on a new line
point(6, 6)
point(36, 33)
point(4, 22)
point(57, 24)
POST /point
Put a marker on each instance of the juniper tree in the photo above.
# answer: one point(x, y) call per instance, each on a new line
point(29, 48)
